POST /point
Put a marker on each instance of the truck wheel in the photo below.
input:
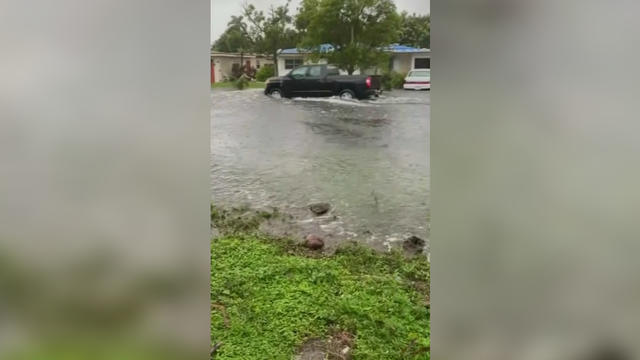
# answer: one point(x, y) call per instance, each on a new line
point(276, 93)
point(347, 94)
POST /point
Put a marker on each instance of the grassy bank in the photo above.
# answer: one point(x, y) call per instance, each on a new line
point(231, 85)
point(269, 296)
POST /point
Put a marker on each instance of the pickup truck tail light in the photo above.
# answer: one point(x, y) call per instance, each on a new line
point(368, 81)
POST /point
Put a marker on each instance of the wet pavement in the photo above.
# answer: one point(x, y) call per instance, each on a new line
point(368, 159)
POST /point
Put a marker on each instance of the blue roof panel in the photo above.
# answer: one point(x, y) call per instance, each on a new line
point(396, 48)
point(323, 48)
point(289, 51)
point(401, 48)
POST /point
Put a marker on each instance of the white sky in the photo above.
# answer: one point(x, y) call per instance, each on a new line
point(221, 10)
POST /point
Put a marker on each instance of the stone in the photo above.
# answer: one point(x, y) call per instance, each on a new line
point(314, 242)
point(319, 208)
point(414, 244)
point(313, 349)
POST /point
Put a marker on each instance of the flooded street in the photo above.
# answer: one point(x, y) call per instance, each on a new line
point(368, 159)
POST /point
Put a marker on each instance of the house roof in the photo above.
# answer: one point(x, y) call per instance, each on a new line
point(323, 48)
point(397, 48)
point(234, 55)
point(394, 48)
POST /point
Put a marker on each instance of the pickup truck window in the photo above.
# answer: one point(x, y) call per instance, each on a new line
point(315, 71)
point(332, 70)
point(299, 72)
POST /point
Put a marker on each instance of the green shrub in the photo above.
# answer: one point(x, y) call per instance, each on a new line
point(397, 79)
point(242, 82)
point(385, 81)
point(265, 72)
point(392, 80)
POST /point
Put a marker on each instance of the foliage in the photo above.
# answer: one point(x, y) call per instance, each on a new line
point(266, 301)
point(237, 71)
point(415, 30)
point(265, 72)
point(272, 31)
point(385, 81)
point(397, 79)
point(250, 71)
point(305, 16)
point(242, 82)
point(81, 346)
point(236, 220)
point(231, 84)
point(356, 28)
point(392, 80)
point(240, 220)
point(235, 38)
point(255, 31)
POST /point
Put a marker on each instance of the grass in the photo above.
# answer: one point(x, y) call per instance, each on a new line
point(269, 296)
point(104, 348)
point(240, 220)
point(230, 84)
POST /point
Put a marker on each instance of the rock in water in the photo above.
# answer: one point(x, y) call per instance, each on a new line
point(414, 244)
point(319, 208)
point(314, 242)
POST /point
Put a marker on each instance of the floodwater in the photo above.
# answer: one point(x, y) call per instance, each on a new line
point(368, 159)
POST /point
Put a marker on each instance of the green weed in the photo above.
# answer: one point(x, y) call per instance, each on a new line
point(267, 300)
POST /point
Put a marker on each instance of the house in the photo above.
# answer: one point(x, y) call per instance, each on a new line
point(403, 58)
point(291, 58)
point(407, 58)
point(222, 63)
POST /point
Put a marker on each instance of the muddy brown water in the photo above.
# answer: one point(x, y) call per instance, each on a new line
point(368, 159)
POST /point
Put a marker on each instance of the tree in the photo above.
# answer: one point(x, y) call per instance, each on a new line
point(235, 38)
point(415, 30)
point(254, 31)
point(272, 32)
point(357, 29)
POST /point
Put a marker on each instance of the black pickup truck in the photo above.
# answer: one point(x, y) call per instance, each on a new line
point(323, 80)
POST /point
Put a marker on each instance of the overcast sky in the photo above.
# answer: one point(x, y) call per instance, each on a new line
point(221, 10)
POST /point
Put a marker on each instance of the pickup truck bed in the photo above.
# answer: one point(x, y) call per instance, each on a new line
point(323, 80)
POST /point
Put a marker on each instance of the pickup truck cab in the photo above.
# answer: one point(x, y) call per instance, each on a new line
point(323, 80)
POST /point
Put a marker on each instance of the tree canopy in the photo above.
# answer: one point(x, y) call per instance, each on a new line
point(255, 31)
point(357, 29)
point(415, 30)
point(272, 31)
point(235, 38)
